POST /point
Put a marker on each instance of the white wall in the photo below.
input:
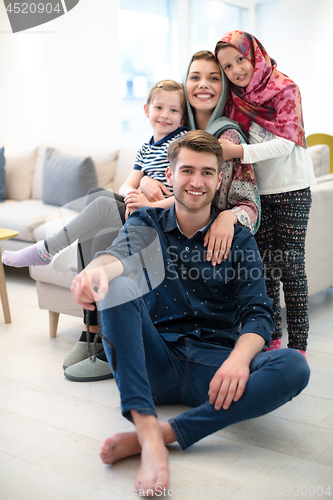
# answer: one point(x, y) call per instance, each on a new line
point(297, 34)
point(59, 81)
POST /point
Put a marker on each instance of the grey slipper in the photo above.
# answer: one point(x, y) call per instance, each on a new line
point(79, 353)
point(89, 371)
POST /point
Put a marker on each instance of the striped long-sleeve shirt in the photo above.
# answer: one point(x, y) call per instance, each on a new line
point(152, 158)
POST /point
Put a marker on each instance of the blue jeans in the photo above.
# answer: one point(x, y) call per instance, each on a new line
point(151, 371)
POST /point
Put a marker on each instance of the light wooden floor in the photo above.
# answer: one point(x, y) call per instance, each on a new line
point(51, 429)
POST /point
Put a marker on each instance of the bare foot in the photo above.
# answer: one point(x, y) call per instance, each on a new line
point(120, 446)
point(126, 444)
point(153, 475)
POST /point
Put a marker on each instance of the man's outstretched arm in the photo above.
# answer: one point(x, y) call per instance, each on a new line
point(229, 382)
point(92, 284)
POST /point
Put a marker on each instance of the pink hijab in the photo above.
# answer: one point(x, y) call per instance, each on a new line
point(271, 99)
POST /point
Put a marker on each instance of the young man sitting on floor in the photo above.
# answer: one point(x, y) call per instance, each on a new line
point(184, 331)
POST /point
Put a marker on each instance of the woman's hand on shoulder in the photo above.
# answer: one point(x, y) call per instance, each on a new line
point(219, 236)
point(153, 189)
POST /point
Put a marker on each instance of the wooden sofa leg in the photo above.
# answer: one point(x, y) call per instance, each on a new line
point(53, 321)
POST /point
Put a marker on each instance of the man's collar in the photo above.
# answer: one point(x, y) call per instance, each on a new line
point(171, 220)
point(173, 224)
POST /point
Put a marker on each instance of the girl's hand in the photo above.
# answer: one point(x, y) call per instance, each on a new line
point(219, 236)
point(154, 190)
point(127, 212)
point(135, 199)
point(231, 150)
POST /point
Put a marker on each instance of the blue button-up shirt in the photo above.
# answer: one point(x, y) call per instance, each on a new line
point(185, 294)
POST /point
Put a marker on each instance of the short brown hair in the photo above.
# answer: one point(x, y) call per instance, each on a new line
point(168, 86)
point(199, 141)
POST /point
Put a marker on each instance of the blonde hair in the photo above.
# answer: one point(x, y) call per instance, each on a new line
point(168, 86)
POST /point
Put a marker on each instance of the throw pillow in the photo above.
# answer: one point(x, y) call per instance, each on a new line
point(20, 168)
point(66, 177)
point(2, 174)
point(105, 162)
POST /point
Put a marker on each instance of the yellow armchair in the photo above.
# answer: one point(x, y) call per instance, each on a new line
point(327, 139)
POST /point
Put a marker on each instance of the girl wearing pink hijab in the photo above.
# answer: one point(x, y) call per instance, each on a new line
point(267, 104)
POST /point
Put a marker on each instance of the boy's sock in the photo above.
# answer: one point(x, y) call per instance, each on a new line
point(35, 255)
point(275, 344)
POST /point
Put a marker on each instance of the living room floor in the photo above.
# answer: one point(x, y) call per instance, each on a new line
point(51, 429)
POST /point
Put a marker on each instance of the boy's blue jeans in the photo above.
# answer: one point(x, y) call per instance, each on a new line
point(152, 371)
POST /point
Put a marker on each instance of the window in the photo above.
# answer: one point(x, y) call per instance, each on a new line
point(144, 53)
point(210, 19)
point(157, 38)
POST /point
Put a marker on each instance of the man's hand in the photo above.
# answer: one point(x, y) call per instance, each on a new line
point(218, 238)
point(231, 150)
point(90, 286)
point(229, 382)
point(153, 189)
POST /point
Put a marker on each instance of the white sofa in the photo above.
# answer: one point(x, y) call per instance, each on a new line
point(25, 211)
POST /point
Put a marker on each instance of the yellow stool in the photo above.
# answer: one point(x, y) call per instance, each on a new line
point(5, 234)
point(314, 139)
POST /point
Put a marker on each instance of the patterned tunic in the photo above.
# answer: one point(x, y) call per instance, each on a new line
point(238, 191)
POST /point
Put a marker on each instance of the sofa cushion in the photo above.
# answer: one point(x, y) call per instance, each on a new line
point(20, 168)
point(320, 156)
point(28, 215)
point(125, 163)
point(24, 216)
point(54, 222)
point(66, 177)
point(105, 164)
point(2, 175)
